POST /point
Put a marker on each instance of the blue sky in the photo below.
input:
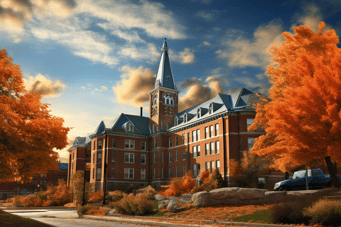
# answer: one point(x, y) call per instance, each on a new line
point(92, 60)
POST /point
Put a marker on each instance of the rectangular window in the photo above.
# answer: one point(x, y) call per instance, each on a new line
point(129, 158)
point(99, 145)
point(216, 129)
point(198, 134)
point(94, 145)
point(170, 157)
point(194, 149)
point(183, 170)
point(99, 157)
point(154, 173)
point(93, 158)
point(143, 145)
point(99, 172)
point(143, 159)
point(194, 169)
point(198, 151)
point(176, 171)
point(206, 133)
point(128, 173)
point(113, 156)
point(113, 142)
point(163, 173)
point(188, 137)
point(176, 155)
point(183, 138)
point(217, 147)
point(211, 131)
point(250, 142)
point(170, 173)
point(154, 157)
point(176, 141)
point(155, 142)
point(218, 164)
point(163, 157)
point(194, 133)
point(207, 166)
point(198, 168)
point(212, 148)
point(143, 174)
point(113, 172)
point(183, 154)
point(249, 123)
point(207, 148)
point(129, 144)
point(212, 166)
point(93, 173)
point(170, 142)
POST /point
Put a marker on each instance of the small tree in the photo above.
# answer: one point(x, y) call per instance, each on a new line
point(216, 176)
point(78, 187)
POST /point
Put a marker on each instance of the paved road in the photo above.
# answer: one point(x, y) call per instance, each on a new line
point(65, 218)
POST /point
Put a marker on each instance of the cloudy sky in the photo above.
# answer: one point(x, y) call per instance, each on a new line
point(93, 59)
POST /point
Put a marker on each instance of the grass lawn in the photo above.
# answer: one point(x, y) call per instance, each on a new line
point(155, 205)
point(11, 220)
point(258, 216)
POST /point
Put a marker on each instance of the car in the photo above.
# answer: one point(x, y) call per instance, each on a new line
point(297, 181)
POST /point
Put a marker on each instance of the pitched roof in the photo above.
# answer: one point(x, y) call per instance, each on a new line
point(141, 124)
point(164, 76)
point(242, 99)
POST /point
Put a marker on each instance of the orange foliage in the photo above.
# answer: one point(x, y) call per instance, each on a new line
point(29, 133)
point(180, 185)
point(59, 195)
point(205, 176)
point(302, 121)
point(96, 196)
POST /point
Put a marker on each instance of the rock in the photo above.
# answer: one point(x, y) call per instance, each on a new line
point(250, 193)
point(159, 197)
point(106, 211)
point(177, 199)
point(224, 193)
point(172, 207)
point(202, 199)
point(112, 212)
point(163, 203)
point(187, 197)
point(274, 196)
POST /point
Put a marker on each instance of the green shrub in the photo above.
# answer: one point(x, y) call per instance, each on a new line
point(324, 212)
point(133, 205)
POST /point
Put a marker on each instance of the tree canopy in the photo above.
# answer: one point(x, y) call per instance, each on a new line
point(28, 132)
point(302, 120)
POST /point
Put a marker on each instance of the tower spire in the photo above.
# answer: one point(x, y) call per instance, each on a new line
point(164, 77)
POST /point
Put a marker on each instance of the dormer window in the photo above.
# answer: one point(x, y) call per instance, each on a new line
point(185, 118)
point(128, 127)
point(211, 108)
point(168, 99)
point(175, 121)
point(199, 113)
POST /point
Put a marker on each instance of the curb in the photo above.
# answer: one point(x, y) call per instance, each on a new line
point(140, 220)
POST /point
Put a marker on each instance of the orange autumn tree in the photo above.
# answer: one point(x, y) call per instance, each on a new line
point(28, 132)
point(303, 119)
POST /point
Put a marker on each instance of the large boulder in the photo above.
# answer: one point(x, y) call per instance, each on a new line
point(177, 199)
point(172, 207)
point(224, 193)
point(250, 193)
point(163, 203)
point(201, 199)
point(159, 197)
point(187, 197)
point(272, 196)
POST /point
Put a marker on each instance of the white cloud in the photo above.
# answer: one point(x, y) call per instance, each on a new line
point(44, 86)
point(184, 57)
point(242, 52)
point(205, 14)
point(104, 88)
point(262, 85)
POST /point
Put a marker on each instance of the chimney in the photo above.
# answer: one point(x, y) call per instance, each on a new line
point(141, 111)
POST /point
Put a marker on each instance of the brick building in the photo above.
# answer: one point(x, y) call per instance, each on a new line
point(38, 183)
point(152, 150)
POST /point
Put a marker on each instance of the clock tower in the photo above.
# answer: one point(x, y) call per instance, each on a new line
point(163, 99)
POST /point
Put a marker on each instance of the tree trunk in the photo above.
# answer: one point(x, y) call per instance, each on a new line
point(335, 182)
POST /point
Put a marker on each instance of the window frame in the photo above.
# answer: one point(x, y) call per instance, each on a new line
point(145, 159)
point(170, 157)
point(143, 174)
point(127, 173)
point(129, 158)
point(143, 145)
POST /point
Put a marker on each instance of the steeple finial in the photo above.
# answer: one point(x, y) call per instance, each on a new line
point(164, 77)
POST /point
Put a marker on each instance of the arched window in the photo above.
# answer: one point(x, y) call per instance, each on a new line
point(155, 100)
point(168, 99)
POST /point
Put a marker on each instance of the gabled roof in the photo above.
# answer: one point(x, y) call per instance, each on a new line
point(141, 124)
point(100, 128)
point(164, 76)
point(242, 99)
point(81, 142)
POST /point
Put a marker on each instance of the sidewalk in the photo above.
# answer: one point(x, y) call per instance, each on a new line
point(176, 222)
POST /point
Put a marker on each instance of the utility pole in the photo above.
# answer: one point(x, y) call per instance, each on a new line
point(83, 204)
point(105, 168)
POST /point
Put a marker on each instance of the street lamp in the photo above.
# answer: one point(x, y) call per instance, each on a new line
point(105, 167)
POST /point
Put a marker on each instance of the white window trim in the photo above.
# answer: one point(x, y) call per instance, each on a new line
point(129, 158)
